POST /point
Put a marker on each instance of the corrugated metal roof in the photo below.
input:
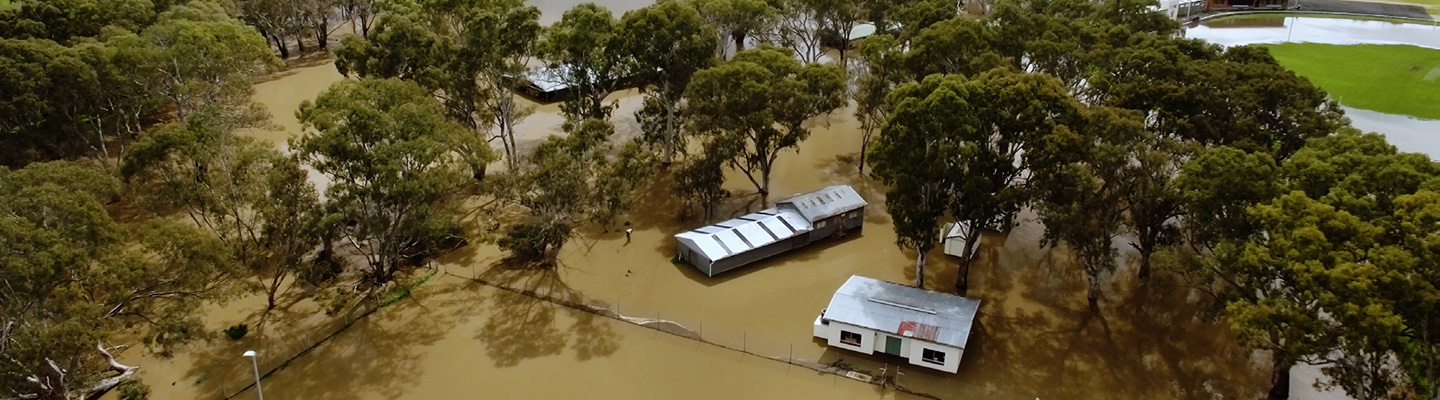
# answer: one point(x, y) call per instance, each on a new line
point(904, 310)
point(824, 203)
point(750, 231)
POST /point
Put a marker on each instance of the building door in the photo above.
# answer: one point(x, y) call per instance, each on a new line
point(892, 345)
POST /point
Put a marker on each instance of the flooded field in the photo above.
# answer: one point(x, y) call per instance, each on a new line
point(461, 340)
point(551, 10)
point(281, 96)
point(1407, 133)
point(1036, 337)
point(1249, 29)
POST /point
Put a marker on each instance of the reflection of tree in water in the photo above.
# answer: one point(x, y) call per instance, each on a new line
point(522, 327)
point(1036, 336)
point(594, 337)
point(380, 354)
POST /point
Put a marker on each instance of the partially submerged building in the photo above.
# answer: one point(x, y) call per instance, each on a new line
point(793, 223)
point(954, 239)
point(930, 329)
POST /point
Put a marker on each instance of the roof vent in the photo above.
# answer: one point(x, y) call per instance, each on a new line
point(904, 306)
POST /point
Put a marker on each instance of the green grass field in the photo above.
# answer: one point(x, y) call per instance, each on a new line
point(1386, 78)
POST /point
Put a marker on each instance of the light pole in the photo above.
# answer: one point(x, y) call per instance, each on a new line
point(256, 366)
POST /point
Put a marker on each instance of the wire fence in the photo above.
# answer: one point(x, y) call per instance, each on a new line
point(280, 351)
point(917, 381)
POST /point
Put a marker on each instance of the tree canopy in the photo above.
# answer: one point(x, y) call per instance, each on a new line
point(749, 109)
point(394, 167)
point(74, 275)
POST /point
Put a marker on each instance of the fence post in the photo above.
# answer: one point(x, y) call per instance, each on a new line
point(792, 353)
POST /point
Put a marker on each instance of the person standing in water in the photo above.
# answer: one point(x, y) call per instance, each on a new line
point(627, 234)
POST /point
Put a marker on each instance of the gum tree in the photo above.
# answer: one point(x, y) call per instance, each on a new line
point(395, 171)
point(665, 45)
point(749, 109)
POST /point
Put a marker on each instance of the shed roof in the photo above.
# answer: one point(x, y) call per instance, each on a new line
point(825, 203)
point(903, 310)
point(747, 232)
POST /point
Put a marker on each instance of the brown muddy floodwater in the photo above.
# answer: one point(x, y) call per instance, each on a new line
point(282, 95)
point(1035, 337)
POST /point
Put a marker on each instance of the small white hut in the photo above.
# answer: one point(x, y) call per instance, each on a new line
point(954, 240)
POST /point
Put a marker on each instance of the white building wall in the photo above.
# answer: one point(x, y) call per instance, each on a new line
point(916, 350)
point(831, 334)
point(872, 341)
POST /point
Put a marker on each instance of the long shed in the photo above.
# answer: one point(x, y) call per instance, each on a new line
point(791, 224)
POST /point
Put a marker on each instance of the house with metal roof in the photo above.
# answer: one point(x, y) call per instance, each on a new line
point(793, 223)
point(930, 329)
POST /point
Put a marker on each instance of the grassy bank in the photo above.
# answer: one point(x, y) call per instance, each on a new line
point(1386, 78)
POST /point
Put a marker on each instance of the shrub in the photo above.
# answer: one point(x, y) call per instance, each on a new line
point(133, 390)
point(534, 241)
point(237, 331)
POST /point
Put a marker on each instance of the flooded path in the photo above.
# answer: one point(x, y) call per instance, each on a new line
point(1250, 29)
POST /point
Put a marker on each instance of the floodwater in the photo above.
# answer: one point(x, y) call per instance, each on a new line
point(1408, 134)
point(551, 10)
point(281, 96)
point(1035, 337)
point(1249, 29)
point(456, 339)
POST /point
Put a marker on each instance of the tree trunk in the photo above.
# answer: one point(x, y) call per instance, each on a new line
point(765, 187)
point(962, 282)
point(1427, 348)
point(1144, 264)
point(1280, 379)
point(280, 44)
point(272, 290)
point(920, 268)
point(1094, 296)
point(300, 43)
point(322, 34)
point(668, 156)
point(864, 147)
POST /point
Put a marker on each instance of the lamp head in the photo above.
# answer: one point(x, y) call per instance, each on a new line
point(250, 353)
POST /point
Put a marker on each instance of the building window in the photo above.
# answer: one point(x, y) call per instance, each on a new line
point(933, 357)
point(850, 338)
point(820, 225)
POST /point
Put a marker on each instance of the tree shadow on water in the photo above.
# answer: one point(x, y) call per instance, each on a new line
point(594, 337)
point(1037, 336)
point(377, 357)
point(523, 318)
point(379, 354)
